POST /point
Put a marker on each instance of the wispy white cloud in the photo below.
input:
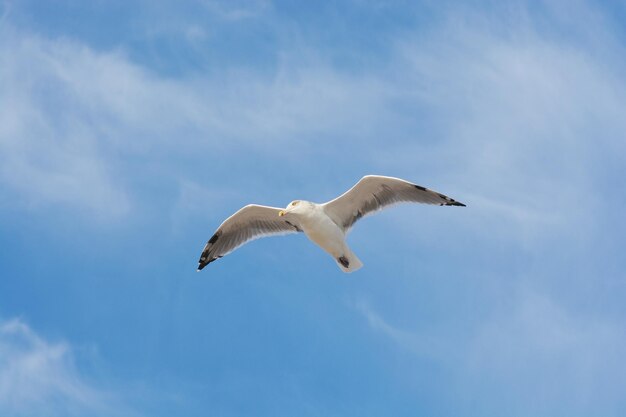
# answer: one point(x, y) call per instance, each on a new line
point(38, 377)
point(511, 111)
point(541, 357)
point(421, 344)
point(237, 10)
point(550, 357)
point(48, 142)
point(523, 119)
point(71, 115)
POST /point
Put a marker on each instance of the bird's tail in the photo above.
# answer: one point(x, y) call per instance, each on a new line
point(349, 262)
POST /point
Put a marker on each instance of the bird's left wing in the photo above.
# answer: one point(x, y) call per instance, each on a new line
point(375, 192)
point(251, 222)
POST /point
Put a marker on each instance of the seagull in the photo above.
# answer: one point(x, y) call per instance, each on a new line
point(324, 224)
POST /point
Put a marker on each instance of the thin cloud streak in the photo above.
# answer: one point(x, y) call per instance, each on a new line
point(422, 345)
point(550, 358)
point(40, 378)
point(538, 355)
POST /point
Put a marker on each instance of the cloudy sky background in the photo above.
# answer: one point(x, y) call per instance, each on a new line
point(130, 130)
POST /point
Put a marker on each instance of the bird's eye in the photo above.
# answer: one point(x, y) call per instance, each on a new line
point(295, 203)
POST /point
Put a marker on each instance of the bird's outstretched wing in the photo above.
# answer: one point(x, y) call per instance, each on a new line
point(373, 193)
point(251, 222)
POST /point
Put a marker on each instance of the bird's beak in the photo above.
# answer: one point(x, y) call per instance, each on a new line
point(281, 213)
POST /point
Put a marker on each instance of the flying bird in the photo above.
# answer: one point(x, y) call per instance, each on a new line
point(325, 224)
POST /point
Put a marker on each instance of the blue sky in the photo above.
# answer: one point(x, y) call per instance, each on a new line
point(130, 130)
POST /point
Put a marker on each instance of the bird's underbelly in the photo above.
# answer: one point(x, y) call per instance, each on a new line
point(326, 234)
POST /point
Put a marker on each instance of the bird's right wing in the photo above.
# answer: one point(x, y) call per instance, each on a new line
point(374, 192)
point(251, 222)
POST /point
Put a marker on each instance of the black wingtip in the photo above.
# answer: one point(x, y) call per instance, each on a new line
point(456, 203)
point(202, 264)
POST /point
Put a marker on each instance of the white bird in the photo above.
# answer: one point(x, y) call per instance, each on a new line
point(325, 224)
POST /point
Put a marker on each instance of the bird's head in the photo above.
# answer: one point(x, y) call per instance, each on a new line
point(295, 207)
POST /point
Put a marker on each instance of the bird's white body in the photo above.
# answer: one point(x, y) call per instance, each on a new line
point(326, 234)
